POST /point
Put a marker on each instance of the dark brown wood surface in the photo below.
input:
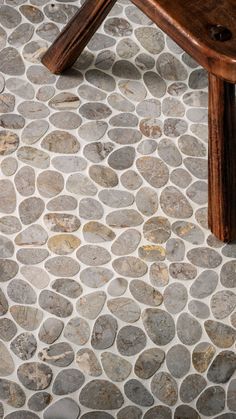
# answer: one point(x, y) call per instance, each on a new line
point(222, 159)
point(77, 33)
point(191, 23)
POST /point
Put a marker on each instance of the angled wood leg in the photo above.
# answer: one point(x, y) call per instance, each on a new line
point(222, 159)
point(77, 33)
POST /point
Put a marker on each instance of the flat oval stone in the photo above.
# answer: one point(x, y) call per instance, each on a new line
point(124, 120)
point(60, 142)
point(189, 329)
point(55, 304)
point(191, 387)
point(155, 84)
point(9, 141)
point(115, 198)
point(90, 305)
point(90, 208)
point(25, 181)
point(131, 180)
point(80, 184)
point(137, 393)
point(9, 225)
point(88, 362)
point(29, 318)
point(120, 103)
point(32, 235)
point(34, 131)
point(3, 303)
point(125, 309)
point(9, 166)
point(230, 395)
point(59, 354)
point(197, 192)
point(67, 381)
point(7, 196)
point(159, 325)
point(33, 157)
point(22, 414)
point(117, 287)
point(100, 41)
point(183, 271)
point(50, 183)
point(149, 362)
point(6, 247)
point(199, 309)
point(164, 387)
point(202, 356)
point(104, 332)
point(145, 293)
point(95, 110)
point(150, 38)
point(67, 287)
point(68, 164)
point(204, 257)
point(204, 285)
point(77, 331)
point(124, 218)
point(170, 68)
point(178, 361)
point(9, 17)
point(174, 204)
point(39, 401)
point(228, 274)
point(48, 31)
point(130, 266)
point(31, 256)
point(198, 79)
point(96, 277)
point(64, 101)
point(37, 74)
point(211, 401)
point(91, 93)
point(65, 120)
point(21, 292)
point(154, 171)
point(24, 346)
point(133, 412)
point(31, 209)
point(185, 411)
point(64, 223)
point(220, 334)
point(64, 407)
point(147, 201)
point(33, 110)
point(222, 368)
point(189, 232)
point(159, 275)
point(124, 136)
point(175, 298)
point(32, 13)
point(11, 62)
point(157, 230)
point(93, 130)
point(100, 79)
point(222, 304)
point(122, 158)
point(12, 393)
point(36, 276)
point(35, 375)
point(126, 243)
point(161, 411)
point(105, 59)
point(115, 367)
point(106, 395)
point(98, 151)
point(50, 330)
point(151, 253)
point(7, 364)
point(7, 329)
point(62, 203)
point(63, 244)
point(93, 255)
point(130, 340)
point(95, 232)
point(103, 176)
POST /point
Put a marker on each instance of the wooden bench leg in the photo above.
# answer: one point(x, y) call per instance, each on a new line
point(222, 159)
point(77, 33)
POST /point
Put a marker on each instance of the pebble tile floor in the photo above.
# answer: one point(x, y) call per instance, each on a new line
point(115, 300)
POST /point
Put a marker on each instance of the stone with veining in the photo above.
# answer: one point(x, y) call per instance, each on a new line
point(34, 375)
point(33, 110)
point(8, 329)
point(50, 330)
point(33, 235)
point(59, 354)
point(11, 62)
point(151, 39)
point(24, 346)
point(60, 142)
point(115, 367)
point(159, 275)
point(211, 401)
point(183, 271)
point(155, 84)
point(159, 325)
point(164, 387)
point(33, 157)
point(153, 170)
point(64, 101)
point(189, 232)
point(63, 244)
point(106, 395)
point(88, 362)
point(162, 412)
point(98, 151)
point(90, 305)
point(145, 293)
point(48, 31)
point(130, 266)
point(189, 329)
point(6, 247)
point(130, 340)
point(204, 285)
point(186, 412)
point(157, 230)
point(149, 362)
point(29, 318)
point(36, 276)
point(125, 309)
point(124, 218)
point(104, 332)
point(12, 393)
point(77, 331)
point(96, 277)
point(95, 232)
point(93, 255)
point(67, 381)
point(222, 304)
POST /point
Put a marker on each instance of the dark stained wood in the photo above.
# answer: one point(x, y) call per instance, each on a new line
point(189, 23)
point(222, 159)
point(77, 33)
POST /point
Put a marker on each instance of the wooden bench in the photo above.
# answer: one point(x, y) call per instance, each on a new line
point(205, 29)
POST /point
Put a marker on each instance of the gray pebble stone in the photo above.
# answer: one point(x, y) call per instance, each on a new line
point(228, 275)
point(91, 93)
point(98, 151)
point(191, 146)
point(69, 79)
point(31, 256)
point(93, 255)
point(182, 271)
point(124, 218)
point(231, 403)
point(67, 287)
point(37, 74)
point(147, 201)
point(22, 414)
point(133, 90)
point(21, 292)
point(7, 329)
point(50, 183)
point(137, 393)
point(31, 209)
point(177, 89)
point(116, 368)
point(29, 318)
point(64, 101)
point(149, 362)
point(147, 147)
point(100, 80)
point(173, 107)
point(104, 332)
point(62, 203)
point(170, 68)
point(130, 266)
point(59, 354)
point(198, 79)
point(127, 48)
point(3, 38)
point(164, 387)
point(88, 362)
point(32, 13)
point(48, 31)
point(174, 203)
point(186, 412)
point(34, 131)
point(126, 243)
point(125, 70)
point(117, 287)
point(199, 309)
point(95, 110)
point(175, 298)
point(9, 141)
point(32, 235)
point(65, 120)
point(2, 80)
point(45, 93)
point(159, 275)
point(77, 331)
point(162, 412)
point(3, 303)
point(67, 381)
point(204, 257)
point(97, 415)
point(120, 103)
point(93, 131)
point(64, 407)
point(222, 304)
point(90, 305)
point(100, 41)
point(9, 166)
point(145, 293)
point(34, 375)
point(12, 121)
point(151, 127)
point(33, 110)
point(96, 277)
point(155, 84)
point(50, 330)
point(136, 16)
point(55, 304)
point(25, 181)
point(7, 364)
point(34, 51)
point(189, 232)
point(7, 104)
point(12, 393)
point(154, 171)
point(24, 346)
point(222, 368)
point(130, 340)
point(105, 59)
point(6, 247)
point(122, 158)
point(189, 330)
point(36, 276)
point(80, 184)
point(124, 136)
point(39, 401)
point(180, 177)
point(125, 309)
point(169, 152)
point(174, 127)
point(211, 401)
point(20, 87)
point(95, 232)
point(10, 17)
point(204, 285)
point(157, 230)
point(178, 360)
point(151, 39)
point(159, 325)
point(131, 180)
point(106, 395)
point(117, 27)
point(191, 387)
point(175, 250)
point(132, 412)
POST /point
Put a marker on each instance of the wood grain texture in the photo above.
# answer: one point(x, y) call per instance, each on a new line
point(77, 33)
point(222, 159)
